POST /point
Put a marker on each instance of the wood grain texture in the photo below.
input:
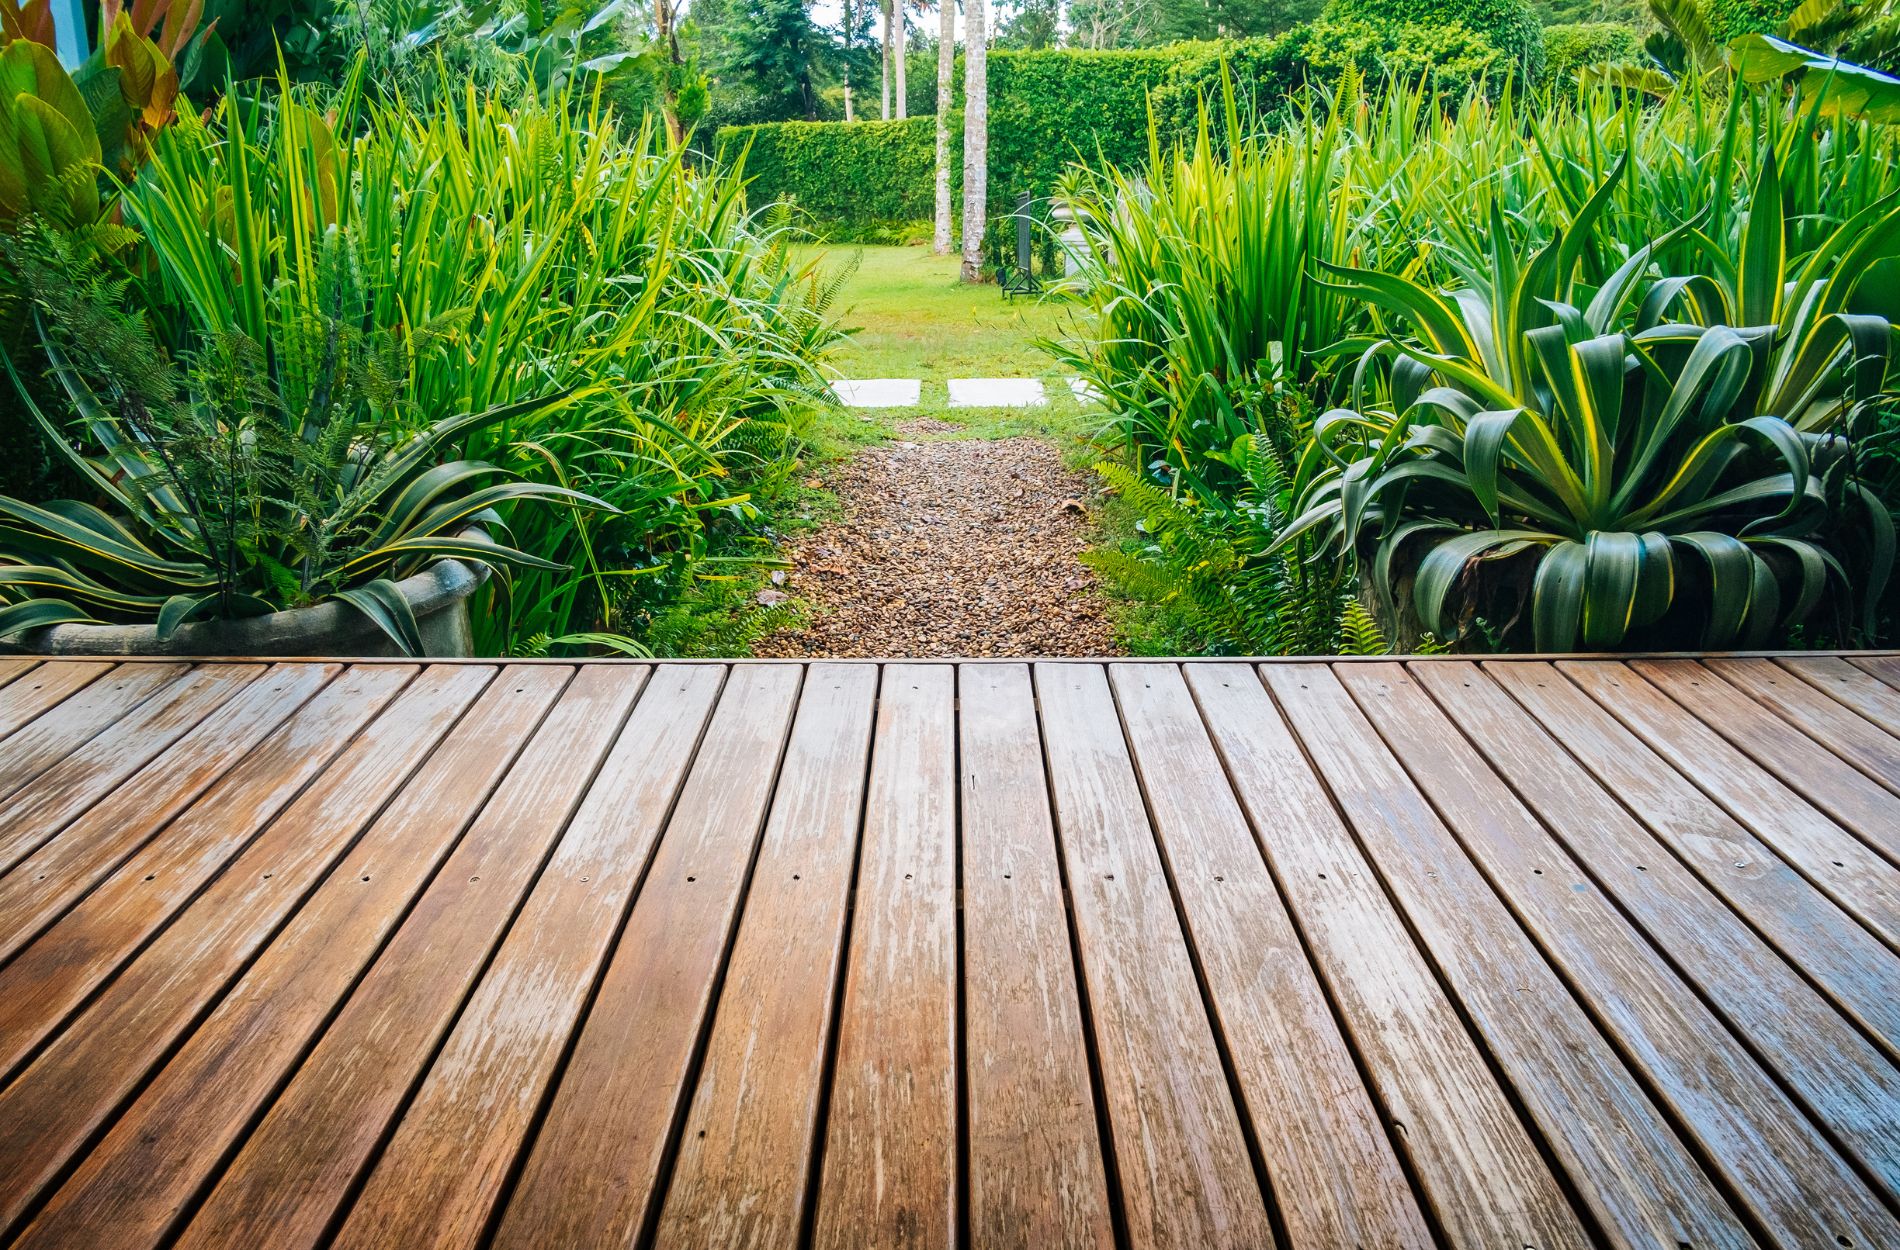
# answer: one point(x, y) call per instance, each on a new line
point(1855, 739)
point(1036, 1180)
point(77, 1082)
point(1480, 1172)
point(890, 1156)
point(1182, 1159)
point(49, 738)
point(1781, 748)
point(1774, 1159)
point(1849, 686)
point(1838, 863)
point(134, 1183)
point(1538, 952)
point(45, 688)
point(12, 668)
point(438, 1180)
point(90, 772)
point(1845, 961)
point(593, 1175)
point(1334, 1175)
point(745, 1155)
point(132, 882)
point(1638, 1178)
point(285, 1185)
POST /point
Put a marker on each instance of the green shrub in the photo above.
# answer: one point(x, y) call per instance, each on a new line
point(1507, 24)
point(1051, 108)
point(849, 180)
point(1268, 73)
point(1568, 49)
point(1730, 18)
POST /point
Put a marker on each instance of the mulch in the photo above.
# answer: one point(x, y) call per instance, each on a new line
point(949, 548)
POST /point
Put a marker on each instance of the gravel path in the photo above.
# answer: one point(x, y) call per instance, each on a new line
point(958, 547)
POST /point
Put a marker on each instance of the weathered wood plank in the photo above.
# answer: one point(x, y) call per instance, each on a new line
point(1618, 1148)
point(1035, 1157)
point(52, 736)
point(1838, 863)
point(440, 1177)
point(1846, 962)
point(1852, 737)
point(132, 1185)
point(1182, 1158)
point(294, 1168)
point(1479, 1169)
point(1774, 1159)
point(1885, 668)
point(12, 668)
point(592, 1176)
point(1334, 1175)
point(78, 1081)
point(745, 1157)
point(890, 1157)
point(141, 804)
point(65, 868)
point(85, 777)
point(44, 689)
point(1851, 687)
point(1777, 746)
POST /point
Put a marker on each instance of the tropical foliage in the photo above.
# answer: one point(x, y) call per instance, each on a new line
point(1558, 364)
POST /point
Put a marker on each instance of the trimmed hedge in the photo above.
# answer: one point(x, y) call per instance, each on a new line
point(847, 177)
point(1268, 72)
point(1508, 24)
point(1568, 49)
point(1047, 107)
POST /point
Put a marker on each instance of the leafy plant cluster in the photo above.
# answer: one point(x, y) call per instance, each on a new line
point(1589, 372)
point(329, 318)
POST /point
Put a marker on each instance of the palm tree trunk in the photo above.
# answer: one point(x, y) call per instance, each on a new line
point(897, 55)
point(976, 137)
point(850, 46)
point(885, 37)
point(946, 77)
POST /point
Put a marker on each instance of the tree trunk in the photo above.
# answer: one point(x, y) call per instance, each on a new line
point(884, 37)
point(850, 46)
point(976, 137)
point(946, 80)
point(898, 55)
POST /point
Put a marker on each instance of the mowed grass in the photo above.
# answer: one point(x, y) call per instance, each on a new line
point(910, 317)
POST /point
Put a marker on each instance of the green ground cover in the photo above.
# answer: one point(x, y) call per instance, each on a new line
point(909, 317)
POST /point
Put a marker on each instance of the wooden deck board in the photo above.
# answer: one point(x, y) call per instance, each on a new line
point(1097, 954)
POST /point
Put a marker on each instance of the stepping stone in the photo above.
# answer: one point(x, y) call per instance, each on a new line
point(877, 392)
point(1084, 391)
point(997, 393)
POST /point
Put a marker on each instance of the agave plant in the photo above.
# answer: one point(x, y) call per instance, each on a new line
point(221, 492)
point(1634, 461)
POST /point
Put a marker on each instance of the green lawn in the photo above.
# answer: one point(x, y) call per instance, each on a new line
point(911, 318)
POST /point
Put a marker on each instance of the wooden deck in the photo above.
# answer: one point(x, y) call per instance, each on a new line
point(1350, 954)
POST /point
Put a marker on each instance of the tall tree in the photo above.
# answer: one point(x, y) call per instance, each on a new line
point(850, 26)
point(898, 57)
point(773, 48)
point(884, 39)
point(976, 137)
point(946, 86)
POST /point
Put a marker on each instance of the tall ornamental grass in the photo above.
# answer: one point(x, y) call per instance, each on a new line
point(513, 250)
point(1261, 272)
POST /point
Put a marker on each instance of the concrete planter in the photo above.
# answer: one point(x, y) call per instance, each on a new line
point(438, 595)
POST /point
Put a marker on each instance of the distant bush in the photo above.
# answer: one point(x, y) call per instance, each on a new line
point(1568, 49)
point(855, 181)
point(1268, 72)
point(1730, 18)
point(1052, 107)
point(1507, 24)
